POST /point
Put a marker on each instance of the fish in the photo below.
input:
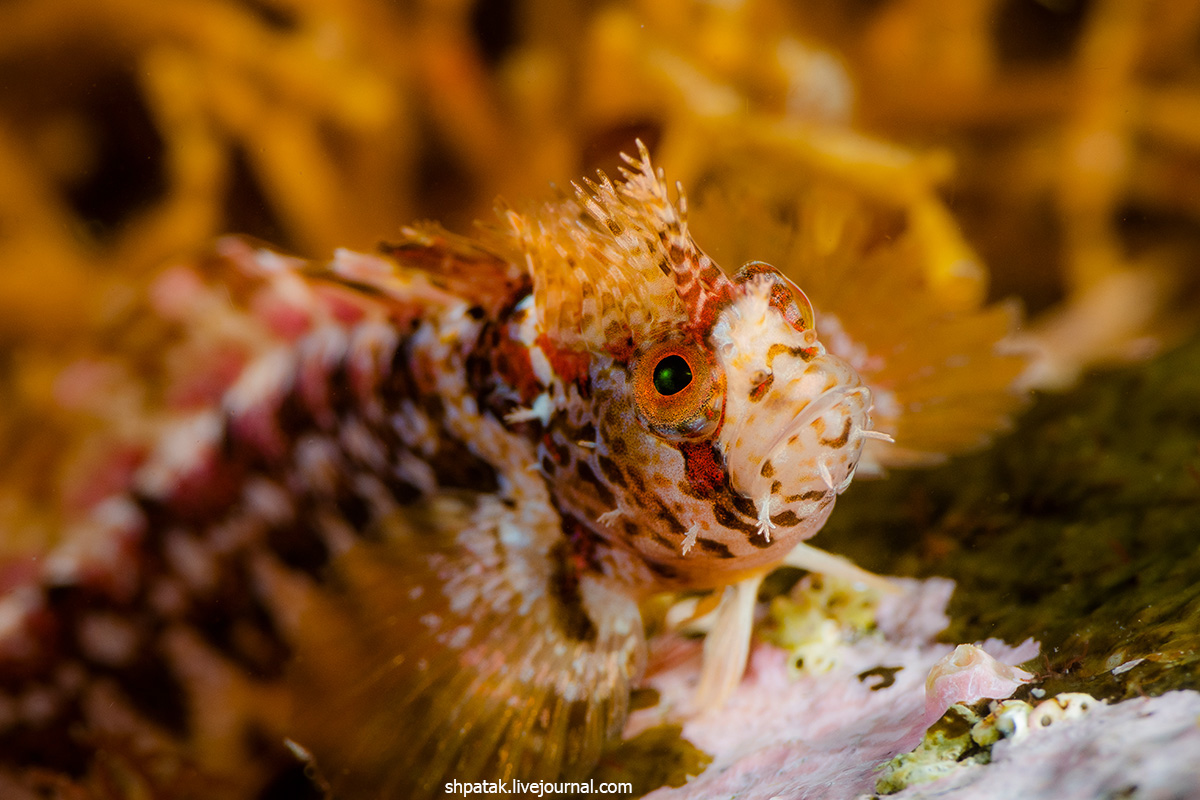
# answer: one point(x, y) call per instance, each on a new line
point(401, 510)
point(655, 425)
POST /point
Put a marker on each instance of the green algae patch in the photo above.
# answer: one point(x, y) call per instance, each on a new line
point(1081, 529)
point(654, 758)
point(945, 747)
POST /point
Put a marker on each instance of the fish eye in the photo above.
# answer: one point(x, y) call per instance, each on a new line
point(672, 375)
point(678, 389)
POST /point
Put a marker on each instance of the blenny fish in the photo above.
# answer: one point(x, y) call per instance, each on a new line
point(426, 491)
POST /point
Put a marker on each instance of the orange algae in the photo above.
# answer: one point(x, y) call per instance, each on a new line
point(145, 132)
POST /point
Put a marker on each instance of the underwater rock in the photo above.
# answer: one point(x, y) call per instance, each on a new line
point(1078, 530)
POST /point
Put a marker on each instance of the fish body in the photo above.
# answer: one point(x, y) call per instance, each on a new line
point(425, 492)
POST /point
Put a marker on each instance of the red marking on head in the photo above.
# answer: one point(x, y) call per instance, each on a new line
point(571, 366)
point(705, 472)
point(705, 317)
point(701, 286)
point(619, 341)
point(510, 358)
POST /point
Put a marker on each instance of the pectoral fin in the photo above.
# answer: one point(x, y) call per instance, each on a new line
point(459, 649)
point(727, 645)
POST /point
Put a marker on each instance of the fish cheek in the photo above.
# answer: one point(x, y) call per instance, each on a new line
point(636, 467)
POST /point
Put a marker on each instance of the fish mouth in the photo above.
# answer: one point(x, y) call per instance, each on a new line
point(819, 405)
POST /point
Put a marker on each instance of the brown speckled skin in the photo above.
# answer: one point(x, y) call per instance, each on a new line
point(465, 429)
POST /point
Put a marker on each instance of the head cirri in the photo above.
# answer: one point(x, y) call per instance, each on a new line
point(712, 431)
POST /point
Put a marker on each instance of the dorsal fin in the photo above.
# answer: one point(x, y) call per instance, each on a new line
point(460, 265)
point(614, 261)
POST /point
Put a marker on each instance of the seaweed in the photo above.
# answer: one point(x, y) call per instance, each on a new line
point(1081, 528)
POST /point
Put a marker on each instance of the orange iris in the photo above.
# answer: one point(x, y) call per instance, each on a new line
point(679, 389)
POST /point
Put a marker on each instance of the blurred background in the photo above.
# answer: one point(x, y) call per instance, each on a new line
point(1046, 151)
point(1062, 136)
point(1043, 150)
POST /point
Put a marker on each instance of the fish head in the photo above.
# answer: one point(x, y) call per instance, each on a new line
point(796, 416)
point(713, 431)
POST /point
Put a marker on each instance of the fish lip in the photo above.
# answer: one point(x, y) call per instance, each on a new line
point(819, 404)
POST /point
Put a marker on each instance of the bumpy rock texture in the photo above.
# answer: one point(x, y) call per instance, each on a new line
point(1078, 530)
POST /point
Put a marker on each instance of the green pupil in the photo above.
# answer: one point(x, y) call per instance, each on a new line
point(672, 375)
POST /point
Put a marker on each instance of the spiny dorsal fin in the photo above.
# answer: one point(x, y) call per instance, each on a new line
point(614, 261)
point(459, 265)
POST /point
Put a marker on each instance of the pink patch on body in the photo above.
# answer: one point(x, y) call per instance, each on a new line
point(176, 292)
point(101, 551)
point(363, 372)
point(207, 378)
point(313, 386)
point(207, 489)
point(284, 317)
point(81, 383)
point(18, 571)
point(342, 304)
point(110, 475)
point(363, 267)
point(258, 428)
point(255, 262)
